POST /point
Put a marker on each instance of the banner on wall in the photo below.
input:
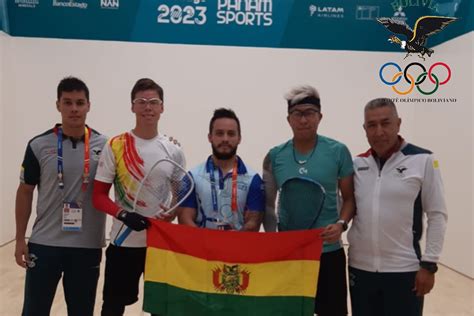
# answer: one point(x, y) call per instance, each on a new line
point(308, 24)
point(3, 18)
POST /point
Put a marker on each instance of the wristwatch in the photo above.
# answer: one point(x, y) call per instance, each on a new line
point(429, 266)
point(343, 223)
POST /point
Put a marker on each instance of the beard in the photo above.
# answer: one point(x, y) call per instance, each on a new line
point(224, 156)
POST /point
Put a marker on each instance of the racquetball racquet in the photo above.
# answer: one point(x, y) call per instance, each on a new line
point(300, 203)
point(163, 188)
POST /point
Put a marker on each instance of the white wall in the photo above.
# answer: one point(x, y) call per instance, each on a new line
point(472, 153)
point(198, 79)
point(447, 129)
point(5, 235)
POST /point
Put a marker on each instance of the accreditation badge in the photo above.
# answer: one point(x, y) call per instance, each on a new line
point(72, 217)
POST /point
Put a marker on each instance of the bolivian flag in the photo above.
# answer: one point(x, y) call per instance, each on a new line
point(195, 271)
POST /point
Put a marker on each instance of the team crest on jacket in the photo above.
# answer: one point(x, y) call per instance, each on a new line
point(231, 279)
point(95, 153)
point(401, 170)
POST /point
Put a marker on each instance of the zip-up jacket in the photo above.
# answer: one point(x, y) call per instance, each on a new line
point(392, 202)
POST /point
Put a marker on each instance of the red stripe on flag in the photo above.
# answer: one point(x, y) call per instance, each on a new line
point(234, 246)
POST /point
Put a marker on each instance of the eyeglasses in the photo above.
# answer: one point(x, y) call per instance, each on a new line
point(143, 102)
point(309, 114)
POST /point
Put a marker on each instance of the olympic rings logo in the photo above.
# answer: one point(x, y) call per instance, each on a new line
point(411, 81)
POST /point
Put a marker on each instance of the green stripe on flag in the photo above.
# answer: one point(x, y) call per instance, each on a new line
point(167, 300)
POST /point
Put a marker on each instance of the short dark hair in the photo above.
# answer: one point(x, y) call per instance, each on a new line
point(70, 84)
point(381, 102)
point(223, 113)
point(146, 84)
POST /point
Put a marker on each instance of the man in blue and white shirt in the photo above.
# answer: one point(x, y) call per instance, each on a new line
point(228, 195)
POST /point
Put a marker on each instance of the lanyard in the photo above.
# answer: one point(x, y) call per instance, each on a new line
point(213, 186)
point(85, 174)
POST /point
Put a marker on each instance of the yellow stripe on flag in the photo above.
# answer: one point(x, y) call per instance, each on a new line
point(274, 278)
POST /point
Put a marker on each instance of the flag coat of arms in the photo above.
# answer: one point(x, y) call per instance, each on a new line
point(195, 271)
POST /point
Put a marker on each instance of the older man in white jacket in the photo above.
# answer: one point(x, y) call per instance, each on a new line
point(396, 184)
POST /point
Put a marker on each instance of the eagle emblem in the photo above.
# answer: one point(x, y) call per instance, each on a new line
point(401, 169)
point(416, 39)
point(232, 279)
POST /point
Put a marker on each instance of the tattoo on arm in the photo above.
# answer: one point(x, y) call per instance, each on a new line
point(267, 163)
point(270, 220)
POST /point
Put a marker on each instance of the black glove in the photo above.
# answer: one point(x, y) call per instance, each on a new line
point(133, 220)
